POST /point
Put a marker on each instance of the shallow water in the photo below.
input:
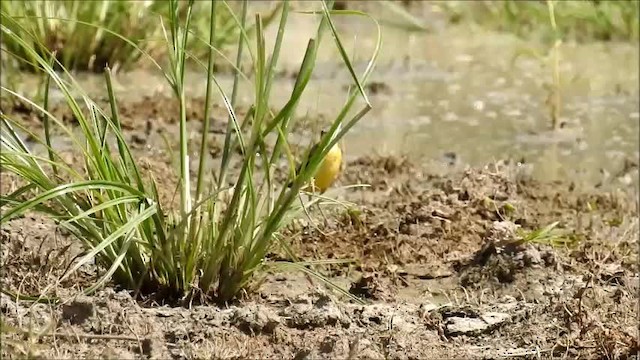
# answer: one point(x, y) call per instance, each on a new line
point(457, 96)
point(461, 94)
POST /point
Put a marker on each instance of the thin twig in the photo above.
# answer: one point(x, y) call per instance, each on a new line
point(95, 337)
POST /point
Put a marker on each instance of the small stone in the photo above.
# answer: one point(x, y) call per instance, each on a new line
point(507, 303)
point(474, 326)
point(428, 307)
point(465, 326)
point(495, 318)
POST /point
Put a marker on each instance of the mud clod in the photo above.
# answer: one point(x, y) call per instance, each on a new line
point(370, 286)
point(255, 319)
point(309, 316)
point(78, 311)
point(328, 344)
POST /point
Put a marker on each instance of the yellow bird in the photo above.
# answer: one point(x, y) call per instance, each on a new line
point(327, 172)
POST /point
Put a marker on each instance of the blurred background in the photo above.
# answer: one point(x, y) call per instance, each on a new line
point(552, 86)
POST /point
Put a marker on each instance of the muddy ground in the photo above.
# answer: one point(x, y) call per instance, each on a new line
point(438, 264)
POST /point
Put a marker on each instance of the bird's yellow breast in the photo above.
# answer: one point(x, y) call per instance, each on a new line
point(329, 169)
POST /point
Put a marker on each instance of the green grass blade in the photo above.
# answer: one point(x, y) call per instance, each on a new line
point(69, 188)
point(226, 148)
point(122, 231)
point(45, 118)
point(105, 205)
point(207, 104)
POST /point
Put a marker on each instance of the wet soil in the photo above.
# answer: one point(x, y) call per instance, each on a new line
point(438, 260)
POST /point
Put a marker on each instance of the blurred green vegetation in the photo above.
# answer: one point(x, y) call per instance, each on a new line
point(576, 20)
point(81, 32)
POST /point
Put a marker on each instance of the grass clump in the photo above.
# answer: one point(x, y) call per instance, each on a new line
point(576, 20)
point(82, 32)
point(214, 244)
point(68, 28)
